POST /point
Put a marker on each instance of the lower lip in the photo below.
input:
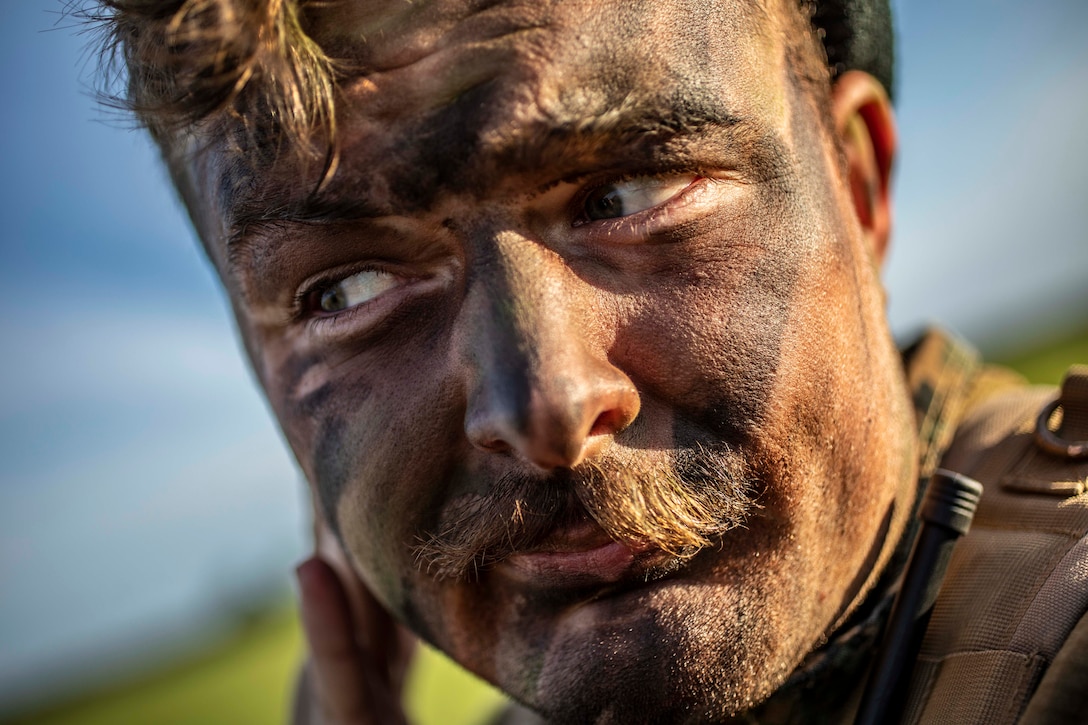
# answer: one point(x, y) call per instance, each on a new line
point(605, 564)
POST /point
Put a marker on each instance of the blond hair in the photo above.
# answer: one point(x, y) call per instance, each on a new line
point(201, 63)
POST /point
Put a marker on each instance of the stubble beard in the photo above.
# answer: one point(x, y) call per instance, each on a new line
point(694, 650)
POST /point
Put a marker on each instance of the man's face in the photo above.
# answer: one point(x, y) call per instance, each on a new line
point(581, 347)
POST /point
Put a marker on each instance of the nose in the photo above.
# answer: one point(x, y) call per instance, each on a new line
point(539, 383)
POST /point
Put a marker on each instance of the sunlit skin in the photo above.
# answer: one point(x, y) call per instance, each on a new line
point(570, 234)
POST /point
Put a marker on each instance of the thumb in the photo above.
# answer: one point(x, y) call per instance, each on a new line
point(353, 683)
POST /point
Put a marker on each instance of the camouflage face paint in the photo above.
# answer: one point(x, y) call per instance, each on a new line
point(521, 343)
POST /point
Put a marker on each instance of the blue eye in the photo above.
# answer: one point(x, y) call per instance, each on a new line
point(355, 290)
point(640, 193)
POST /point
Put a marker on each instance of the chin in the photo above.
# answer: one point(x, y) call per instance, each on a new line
point(674, 651)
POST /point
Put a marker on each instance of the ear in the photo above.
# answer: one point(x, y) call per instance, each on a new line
point(865, 124)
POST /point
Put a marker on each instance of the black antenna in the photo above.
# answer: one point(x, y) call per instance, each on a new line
point(946, 514)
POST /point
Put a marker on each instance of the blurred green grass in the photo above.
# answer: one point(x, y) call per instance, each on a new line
point(243, 678)
point(249, 676)
point(1048, 363)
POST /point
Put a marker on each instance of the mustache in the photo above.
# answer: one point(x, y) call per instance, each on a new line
point(679, 504)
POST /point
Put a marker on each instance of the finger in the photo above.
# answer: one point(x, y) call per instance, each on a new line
point(377, 634)
point(340, 673)
point(385, 644)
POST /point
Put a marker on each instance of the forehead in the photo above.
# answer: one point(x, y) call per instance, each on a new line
point(454, 45)
point(452, 98)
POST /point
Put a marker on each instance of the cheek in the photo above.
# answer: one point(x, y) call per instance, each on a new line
point(710, 344)
point(381, 468)
point(374, 437)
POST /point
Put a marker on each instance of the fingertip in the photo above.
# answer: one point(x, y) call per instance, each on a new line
point(309, 570)
point(319, 591)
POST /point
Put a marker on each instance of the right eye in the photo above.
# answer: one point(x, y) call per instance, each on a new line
point(354, 290)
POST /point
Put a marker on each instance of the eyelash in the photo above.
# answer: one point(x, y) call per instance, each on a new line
point(305, 304)
point(647, 221)
point(384, 308)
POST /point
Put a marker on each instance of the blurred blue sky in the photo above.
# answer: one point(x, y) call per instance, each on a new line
point(143, 483)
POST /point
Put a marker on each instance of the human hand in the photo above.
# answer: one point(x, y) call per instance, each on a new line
point(358, 654)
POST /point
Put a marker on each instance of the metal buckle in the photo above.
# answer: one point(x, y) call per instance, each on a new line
point(1050, 442)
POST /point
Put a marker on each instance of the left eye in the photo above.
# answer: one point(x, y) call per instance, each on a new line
point(640, 193)
point(355, 290)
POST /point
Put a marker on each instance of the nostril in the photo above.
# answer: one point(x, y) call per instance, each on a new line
point(493, 445)
point(608, 422)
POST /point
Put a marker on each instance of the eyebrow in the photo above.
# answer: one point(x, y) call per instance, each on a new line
point(633, 131)
point(319, 208)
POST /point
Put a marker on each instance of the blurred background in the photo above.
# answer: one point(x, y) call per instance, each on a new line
point(149, 513)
